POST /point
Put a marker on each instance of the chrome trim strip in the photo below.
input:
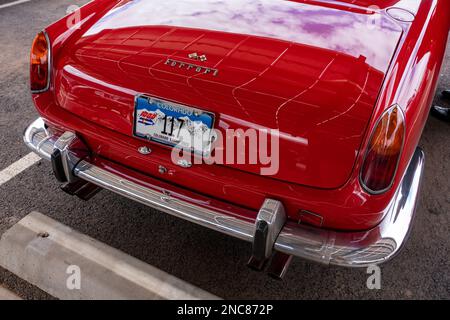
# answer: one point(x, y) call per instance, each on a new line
point(350, 249)
point(232, 226)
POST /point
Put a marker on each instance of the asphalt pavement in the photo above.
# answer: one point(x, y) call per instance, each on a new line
point(204, 258)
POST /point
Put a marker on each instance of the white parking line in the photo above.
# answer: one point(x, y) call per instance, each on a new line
point(6, 5)
point(17, 167)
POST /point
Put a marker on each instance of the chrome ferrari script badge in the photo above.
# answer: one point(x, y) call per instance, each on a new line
point(190, 66)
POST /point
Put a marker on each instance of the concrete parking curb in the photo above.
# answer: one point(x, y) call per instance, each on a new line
point(69, 265)
point(6, 294)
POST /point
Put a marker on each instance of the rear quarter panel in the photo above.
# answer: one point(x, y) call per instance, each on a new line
point(413, 75)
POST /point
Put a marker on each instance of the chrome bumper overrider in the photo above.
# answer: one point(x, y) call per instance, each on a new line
point(350, 249)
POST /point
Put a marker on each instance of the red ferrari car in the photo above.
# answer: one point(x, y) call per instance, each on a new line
point(293, 125)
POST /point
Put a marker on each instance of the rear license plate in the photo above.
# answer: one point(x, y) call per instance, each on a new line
point(173, 124)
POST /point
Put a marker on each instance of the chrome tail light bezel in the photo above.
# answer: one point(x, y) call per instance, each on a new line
point(366, 152)
point(49, 64)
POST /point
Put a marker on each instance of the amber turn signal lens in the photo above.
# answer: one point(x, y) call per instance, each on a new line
point(383, 154)
point(39, 63)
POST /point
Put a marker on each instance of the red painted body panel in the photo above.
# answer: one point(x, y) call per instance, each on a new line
point(275, 72)
point(95, 77)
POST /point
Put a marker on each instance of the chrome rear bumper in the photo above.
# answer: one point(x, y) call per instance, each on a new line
point(350, 249)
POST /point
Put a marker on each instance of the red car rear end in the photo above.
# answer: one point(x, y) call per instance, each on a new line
point(343, 90)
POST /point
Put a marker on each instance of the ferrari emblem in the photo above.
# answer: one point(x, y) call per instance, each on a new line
point(195, 56)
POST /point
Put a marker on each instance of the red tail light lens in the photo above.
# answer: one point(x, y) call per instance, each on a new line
point(383, 154)
point(40, 63)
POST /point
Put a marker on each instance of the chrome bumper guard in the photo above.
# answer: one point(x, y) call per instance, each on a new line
point(349, 249)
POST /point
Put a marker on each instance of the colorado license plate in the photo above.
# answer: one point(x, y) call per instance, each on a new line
point(173, 124)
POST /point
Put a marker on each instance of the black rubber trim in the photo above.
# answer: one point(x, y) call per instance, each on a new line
point(260, 240)
point(446, 94)
point(57, 166)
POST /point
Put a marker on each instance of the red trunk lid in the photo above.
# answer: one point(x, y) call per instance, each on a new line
point(313, 72)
